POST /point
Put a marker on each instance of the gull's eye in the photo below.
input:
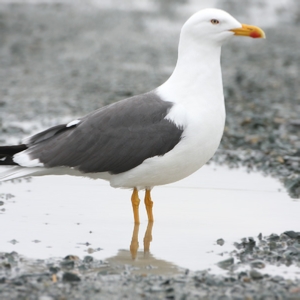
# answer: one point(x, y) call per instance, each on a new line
point(214, 21)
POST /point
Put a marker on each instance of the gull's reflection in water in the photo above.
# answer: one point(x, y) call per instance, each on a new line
point(142, 262)
point(134, 246)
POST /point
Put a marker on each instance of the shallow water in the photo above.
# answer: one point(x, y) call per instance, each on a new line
point(54, 216)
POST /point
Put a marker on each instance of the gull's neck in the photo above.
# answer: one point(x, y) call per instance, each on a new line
point(197, 78)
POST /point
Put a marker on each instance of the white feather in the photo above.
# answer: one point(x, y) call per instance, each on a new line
point(72, 123)
point(178, 115)
point(23, 159)
point(16, 172)
point(20, 172)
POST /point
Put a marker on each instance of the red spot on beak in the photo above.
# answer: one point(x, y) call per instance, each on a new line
point(255, 34)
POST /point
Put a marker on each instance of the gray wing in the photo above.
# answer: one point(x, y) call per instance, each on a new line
point(115, 138)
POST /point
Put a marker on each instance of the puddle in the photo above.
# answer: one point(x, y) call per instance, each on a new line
point(59, 215)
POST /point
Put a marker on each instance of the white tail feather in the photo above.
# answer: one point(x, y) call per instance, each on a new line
point(18, 172)
point(9, 173)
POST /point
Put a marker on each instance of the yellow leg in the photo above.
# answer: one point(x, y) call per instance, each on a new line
point(135, 206)
point(134, 246)
point(149, 205)
point(148, 238)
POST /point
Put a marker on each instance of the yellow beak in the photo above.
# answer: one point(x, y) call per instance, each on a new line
point(249, 30)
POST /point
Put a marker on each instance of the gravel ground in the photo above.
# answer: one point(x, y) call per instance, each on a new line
point(55, 61)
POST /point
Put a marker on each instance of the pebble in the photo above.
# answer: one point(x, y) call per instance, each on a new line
point(13, 242)
point(225, 264)
point(88, 259)
point(255, 275)
point(292, 234)
point(68, 265)
point(220, 242)
point(70, 277)
point(258, 264)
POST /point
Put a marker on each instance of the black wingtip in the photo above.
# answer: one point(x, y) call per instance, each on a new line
point(7, 153)
point(11, 150)
point(7, 161)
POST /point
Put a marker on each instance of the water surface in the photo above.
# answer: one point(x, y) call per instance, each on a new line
point(54, 216)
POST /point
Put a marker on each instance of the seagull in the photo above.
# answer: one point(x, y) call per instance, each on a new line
point(150, 139)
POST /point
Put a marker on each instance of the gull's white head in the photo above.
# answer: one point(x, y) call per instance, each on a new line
point(197, 76)
point(216, 26)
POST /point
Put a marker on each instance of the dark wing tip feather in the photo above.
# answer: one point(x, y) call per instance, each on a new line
point(11, 150)
point(7, 153)
point(7, 161)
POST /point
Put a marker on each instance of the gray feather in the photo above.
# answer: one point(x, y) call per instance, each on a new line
point(115, 138)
